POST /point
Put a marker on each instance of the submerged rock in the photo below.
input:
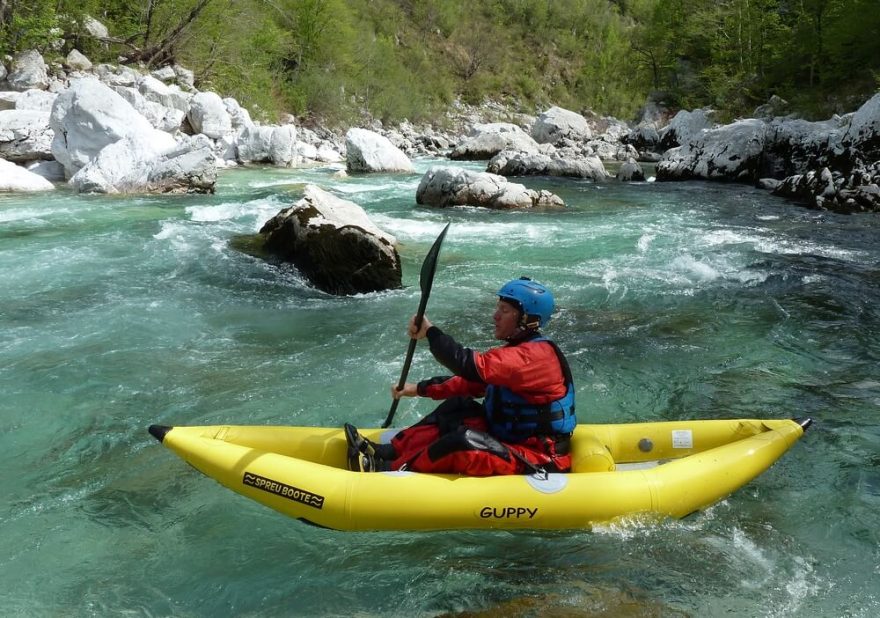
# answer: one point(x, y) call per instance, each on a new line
point(334, 244)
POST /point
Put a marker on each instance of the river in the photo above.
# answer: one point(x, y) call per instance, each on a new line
point(676, 301)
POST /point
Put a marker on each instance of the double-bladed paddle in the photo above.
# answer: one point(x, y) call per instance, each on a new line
point(426, 279)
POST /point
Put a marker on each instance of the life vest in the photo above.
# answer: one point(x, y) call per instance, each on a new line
point(513, 419)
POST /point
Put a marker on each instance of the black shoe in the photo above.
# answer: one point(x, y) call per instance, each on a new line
point(369, 463)
point(356, 441)
point(357, 444)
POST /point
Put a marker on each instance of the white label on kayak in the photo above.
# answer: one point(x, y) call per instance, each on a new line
point(549, 484)
point(682, 438)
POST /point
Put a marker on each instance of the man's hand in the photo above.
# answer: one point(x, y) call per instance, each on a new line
point(422, 331)
point(409, 390)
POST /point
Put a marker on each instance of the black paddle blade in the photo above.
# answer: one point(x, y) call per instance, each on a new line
point(429, 266)
point(426, 280)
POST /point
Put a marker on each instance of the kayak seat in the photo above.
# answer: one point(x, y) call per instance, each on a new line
point(588, 454)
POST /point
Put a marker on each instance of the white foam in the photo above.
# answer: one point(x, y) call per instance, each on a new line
point(645, 242)
point(692, 267)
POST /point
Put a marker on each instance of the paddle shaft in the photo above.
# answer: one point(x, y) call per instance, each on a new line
point(406, 363)
point(426, 281)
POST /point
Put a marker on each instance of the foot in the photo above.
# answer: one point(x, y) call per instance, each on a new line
point(356, 441)
point(371, 463)
point(380, 454)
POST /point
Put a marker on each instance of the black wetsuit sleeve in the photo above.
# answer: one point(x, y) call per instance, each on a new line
point(449, 353)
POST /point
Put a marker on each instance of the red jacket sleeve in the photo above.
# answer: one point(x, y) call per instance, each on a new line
point(454, 386)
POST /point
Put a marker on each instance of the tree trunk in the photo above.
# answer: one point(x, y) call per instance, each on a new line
point(163, 50)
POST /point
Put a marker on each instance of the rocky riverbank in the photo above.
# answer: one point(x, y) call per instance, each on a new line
point(114, 129)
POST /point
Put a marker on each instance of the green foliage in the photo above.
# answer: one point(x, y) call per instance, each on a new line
point(28, 26)
point(395, 59)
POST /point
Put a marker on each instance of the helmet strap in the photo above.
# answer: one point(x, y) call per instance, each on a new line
point(526, 324)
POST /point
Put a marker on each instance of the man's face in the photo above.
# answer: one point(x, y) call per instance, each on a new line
point(506, 319)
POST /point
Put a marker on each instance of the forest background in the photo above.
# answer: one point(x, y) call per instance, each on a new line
point(335, 61)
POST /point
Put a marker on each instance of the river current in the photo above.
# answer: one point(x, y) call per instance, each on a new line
point(676, 301)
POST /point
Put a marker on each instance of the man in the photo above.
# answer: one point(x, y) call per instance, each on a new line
point(527, 415)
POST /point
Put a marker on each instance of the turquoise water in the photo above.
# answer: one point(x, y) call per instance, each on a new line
point(676, 301)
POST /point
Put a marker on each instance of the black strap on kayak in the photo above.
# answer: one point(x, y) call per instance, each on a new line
point(540, 473)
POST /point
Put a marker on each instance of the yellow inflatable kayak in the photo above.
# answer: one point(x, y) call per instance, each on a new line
point(666, 469)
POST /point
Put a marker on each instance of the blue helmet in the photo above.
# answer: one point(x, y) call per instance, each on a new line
point(533, 299)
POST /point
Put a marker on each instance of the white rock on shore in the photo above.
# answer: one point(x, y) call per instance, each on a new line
point(367, 151)
point(25, 135)
point(557, 123)
point(89, 116)
point(487, 140)
point(16, 178)
point(207, 114)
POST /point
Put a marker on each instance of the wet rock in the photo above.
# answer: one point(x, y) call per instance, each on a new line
point(334, 244)
point(630, 171)
point(450, 186)
point(512, 163)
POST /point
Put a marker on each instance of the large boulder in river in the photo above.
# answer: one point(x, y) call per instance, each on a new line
point(367, 151)
point(630, 171)
point(487, 140)
point(730, 152)
point(451, 186)
point(794, 146)
point(557, 123)
point(512, 163)
point(89, 116)
point(334, 244)
point(16, 178)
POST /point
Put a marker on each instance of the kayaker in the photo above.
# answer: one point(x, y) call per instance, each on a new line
point(525, 419)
